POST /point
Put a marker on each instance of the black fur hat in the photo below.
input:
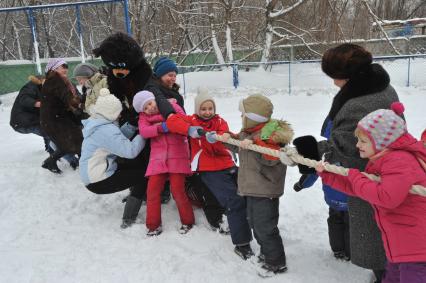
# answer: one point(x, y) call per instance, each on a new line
point(345, 61)
point(120, 51)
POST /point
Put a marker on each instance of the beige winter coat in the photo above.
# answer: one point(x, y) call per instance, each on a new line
point(94, 85)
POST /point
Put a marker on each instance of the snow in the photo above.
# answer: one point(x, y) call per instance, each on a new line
point(55, 230)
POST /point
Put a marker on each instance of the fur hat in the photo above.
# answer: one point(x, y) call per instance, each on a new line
point(384, 126)
point(256, 109)
point(345, 61)
point(140, 98)
point(163, 66)
point(54, 63)
point(107, 105)
point(85, 70)
point(202, 96)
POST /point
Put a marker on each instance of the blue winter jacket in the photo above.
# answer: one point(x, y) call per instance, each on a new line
point(103, 142)
point(334, 199)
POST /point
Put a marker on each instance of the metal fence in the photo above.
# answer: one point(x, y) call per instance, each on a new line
point(404, 71)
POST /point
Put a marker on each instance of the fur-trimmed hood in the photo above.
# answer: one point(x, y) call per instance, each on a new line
point(369, 80)
point(284, 134)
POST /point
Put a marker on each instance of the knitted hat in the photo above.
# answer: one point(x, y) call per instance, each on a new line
point(384, 126)
point(107, 105)
point(202, 96)
point(163, 66)
point(85, 70)
point(140, 98)
point(256, 109)
point(54, 63)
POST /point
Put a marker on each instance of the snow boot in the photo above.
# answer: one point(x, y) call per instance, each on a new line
point(244, 251)
point(268, 270)
point(50, 164)
point(185, 229)
point(131, 210)
point(155, 232)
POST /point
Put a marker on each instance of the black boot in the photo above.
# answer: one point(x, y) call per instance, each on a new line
point(131, 210)
point(50, 164)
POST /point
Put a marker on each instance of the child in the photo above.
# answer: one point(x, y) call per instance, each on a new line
point(394, 155)
point(261, 178)
point(169, 158)
point(216, 167)
point(338, 215)
point(103, 142)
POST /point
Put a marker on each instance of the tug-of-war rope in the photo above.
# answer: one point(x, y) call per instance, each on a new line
point(289, 152)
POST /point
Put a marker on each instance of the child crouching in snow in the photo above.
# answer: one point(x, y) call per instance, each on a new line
point(396, 157)
point(215, 164)
point(103, 142)
point(169, 159)
point(261, 178)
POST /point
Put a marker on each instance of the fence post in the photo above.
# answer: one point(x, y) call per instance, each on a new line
point(35, 43)
point(126, 16)
point(408, 75)
point(80, 35)
point(235, 80)
point(184, 85)
point(289, 77)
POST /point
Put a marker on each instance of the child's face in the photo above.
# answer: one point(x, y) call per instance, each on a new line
point(206, 110)
point(150, 107)
point(365, 146)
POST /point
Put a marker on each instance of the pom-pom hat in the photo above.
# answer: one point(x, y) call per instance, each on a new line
point(107, 105)
point(202, 96)
point(384, 126)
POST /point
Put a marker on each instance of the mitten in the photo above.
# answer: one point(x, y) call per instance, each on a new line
point(308, 148)
point(305, 181)
point(195, 132)
point(285, 156)
point(163, 127)
point(210, 137)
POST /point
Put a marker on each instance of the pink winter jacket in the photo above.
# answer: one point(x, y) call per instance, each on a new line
point(400, 216)
point(169, 152)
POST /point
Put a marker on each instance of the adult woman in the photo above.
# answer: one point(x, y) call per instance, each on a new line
point(60, 115)
point(364, 87)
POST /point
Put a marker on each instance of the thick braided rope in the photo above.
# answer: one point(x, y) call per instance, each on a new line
point(297, 158)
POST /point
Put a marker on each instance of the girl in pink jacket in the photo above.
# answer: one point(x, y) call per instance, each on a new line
point(169, 159)
point(396, 157)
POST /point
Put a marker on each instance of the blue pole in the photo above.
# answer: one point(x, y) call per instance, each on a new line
point(35, 43)
point(126, 17)
point(235, 79)
point(79, 32)
point(408, 75)
point(289, 78)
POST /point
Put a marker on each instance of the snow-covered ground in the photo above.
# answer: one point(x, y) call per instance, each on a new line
point(54, 230)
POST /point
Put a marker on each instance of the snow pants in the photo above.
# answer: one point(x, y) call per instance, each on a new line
point(338, 231)
point(263, 217)
point(224, 187)
point(153, 201)
point(406, 272)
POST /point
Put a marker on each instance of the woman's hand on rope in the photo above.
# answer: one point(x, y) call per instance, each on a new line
point(320, 166)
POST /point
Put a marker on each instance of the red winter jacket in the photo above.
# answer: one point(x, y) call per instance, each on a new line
point(423, 138)
point(400, 216)
point(204, 155)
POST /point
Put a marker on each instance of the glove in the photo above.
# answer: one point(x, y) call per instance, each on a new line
point(194, 132)
point(285, 156)
point(307, 147)
point(210, 137)
point(163, 127)
point(297, 187)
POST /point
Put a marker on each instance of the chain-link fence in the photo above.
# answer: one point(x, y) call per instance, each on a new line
point(293, 76)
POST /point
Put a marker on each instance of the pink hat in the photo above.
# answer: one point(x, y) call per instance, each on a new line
point(384, 126)
point(141, 98)
point(54, 63)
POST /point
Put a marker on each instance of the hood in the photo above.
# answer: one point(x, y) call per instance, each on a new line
point(92, 124)
point(279, 131)
point(408, 143)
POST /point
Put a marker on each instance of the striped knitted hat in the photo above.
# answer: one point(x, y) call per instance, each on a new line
point(384, 126)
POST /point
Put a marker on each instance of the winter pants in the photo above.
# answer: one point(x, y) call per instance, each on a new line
point(153, 202)
point(263, 217)
point(406, 272)
point(210, 205)
point(222, 184)
point(128, 175)
point(338, 231)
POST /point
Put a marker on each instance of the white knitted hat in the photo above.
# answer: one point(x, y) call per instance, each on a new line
point(107, 105)
point(384, 126)
point(140, 98)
